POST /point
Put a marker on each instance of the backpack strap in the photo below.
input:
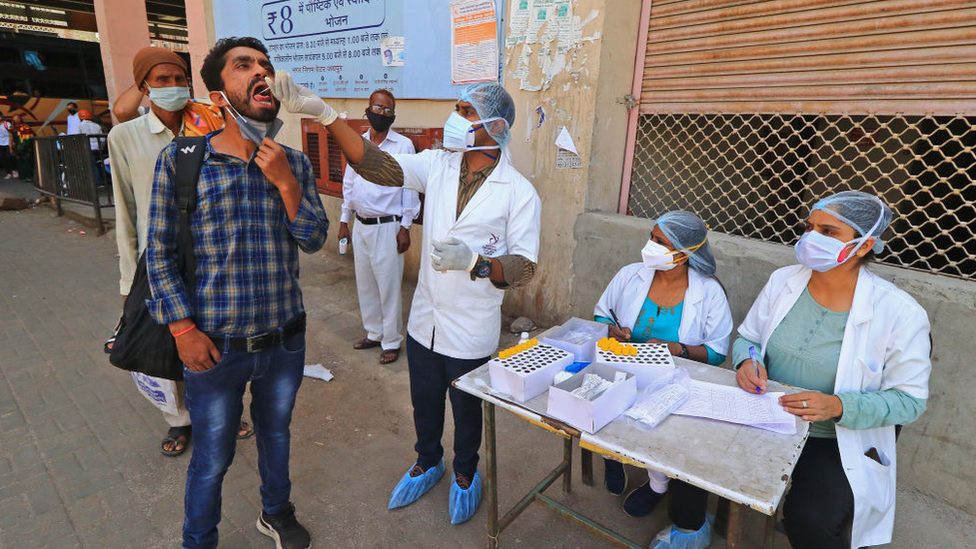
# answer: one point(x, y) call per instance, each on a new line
point(189, 159)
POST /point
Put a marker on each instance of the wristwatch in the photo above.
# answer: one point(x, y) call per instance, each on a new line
point(684, 351)
point(482, 268)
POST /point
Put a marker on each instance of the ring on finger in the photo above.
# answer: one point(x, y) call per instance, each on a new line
point(804, 403)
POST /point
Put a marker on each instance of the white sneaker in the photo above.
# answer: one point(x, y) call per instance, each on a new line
point(16, 174)
point(9, 176)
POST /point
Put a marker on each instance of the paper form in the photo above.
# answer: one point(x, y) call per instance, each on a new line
point(732, 404)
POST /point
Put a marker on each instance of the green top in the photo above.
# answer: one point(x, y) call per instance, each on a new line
point(804, 351)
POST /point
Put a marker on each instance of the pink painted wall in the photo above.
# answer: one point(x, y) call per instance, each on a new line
point(123, 29)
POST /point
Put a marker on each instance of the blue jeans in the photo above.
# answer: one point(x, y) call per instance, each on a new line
point(215, 401)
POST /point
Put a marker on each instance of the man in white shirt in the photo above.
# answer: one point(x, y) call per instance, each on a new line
point(133, 147)
point(6, 152)
point(73, 119)
point(381, 234)
point(88, 126)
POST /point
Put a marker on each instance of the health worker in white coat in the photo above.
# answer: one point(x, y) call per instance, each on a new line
point(672, 296)
point(480, 237)
point(861, 346)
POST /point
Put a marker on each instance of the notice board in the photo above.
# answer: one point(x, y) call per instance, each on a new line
point(348, 48)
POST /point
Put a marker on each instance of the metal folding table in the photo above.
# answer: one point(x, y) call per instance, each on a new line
point(746, 465)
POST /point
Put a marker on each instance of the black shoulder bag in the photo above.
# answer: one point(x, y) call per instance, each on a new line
point(141, 345)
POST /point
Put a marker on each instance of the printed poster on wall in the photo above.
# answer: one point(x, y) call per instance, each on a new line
point(474, 43)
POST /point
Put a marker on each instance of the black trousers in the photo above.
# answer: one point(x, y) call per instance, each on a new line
point(820, 502)
point(431, 375)
point(816, 509)
point(6, 159)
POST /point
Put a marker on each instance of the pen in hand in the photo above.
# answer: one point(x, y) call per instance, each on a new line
point(755, 364)
point(616, 322)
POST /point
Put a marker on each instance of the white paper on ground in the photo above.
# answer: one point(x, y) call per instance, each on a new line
point(318, 372)
point(732, 404)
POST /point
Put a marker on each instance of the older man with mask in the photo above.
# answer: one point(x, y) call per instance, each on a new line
point(257, 206)
point(133, 147)
point(481, 237)
point(381, 234)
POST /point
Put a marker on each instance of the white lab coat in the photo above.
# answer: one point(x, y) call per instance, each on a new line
point(886, 345)
point(451, 314)
point(706, 318)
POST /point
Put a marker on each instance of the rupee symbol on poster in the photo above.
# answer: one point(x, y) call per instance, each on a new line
point(474, 41)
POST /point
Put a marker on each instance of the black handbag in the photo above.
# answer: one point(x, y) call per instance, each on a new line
point(141, 345)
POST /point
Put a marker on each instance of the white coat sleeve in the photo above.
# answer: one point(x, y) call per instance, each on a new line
point(718, 319)
point(417, 167)
point(409, 199)
point(907, 365)
point(126, 233)
point(348, 180)
point(524, 224)
point(611, 295)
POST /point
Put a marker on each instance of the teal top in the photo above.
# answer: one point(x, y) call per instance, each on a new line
point(662, 323)
point(804, 351)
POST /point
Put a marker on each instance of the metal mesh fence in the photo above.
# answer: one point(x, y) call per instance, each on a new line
point(756, 175)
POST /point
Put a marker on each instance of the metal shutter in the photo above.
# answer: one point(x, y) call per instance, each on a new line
point(811, 56)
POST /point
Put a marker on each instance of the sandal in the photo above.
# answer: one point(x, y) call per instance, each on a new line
point(365, 343)
point(176, 436)
point(389, 355)
point(248, 430)
point(110, 342)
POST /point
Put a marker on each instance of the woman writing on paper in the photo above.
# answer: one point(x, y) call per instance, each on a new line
point(671, 297)
point(861, 346)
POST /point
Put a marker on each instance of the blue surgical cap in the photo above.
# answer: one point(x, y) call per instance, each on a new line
point(686, 230)
point(861, 211)
point(492, 101)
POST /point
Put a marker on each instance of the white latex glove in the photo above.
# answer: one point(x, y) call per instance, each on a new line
point(299, 99)
point(452, 254)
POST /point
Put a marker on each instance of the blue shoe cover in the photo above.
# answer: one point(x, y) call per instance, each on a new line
point(672, 538)
point(409, 489)
point(463, 504)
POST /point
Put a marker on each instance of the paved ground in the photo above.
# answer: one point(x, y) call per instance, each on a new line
point(79, 459)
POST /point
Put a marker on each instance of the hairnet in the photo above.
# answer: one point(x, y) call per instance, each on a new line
point(492, 101)
point(686, 230)
point(859, 210)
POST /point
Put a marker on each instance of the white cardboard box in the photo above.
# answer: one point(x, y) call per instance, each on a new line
point(591, 415)
point(652, 365)
point(584, 351)
point(528, 373)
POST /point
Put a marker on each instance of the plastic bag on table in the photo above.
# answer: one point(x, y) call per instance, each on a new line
point(656, 402)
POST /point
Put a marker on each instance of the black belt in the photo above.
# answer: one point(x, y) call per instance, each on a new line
point(375, 220)
point(260, 342)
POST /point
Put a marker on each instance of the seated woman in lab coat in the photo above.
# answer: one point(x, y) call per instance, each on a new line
point(861, 346)
point(671, 297)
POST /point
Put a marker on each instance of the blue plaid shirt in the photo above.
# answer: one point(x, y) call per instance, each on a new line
point(245, 246)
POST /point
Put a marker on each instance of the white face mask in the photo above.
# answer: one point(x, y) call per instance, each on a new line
point(254, 130)
point(822, 253)
point(657, 257)
point(172, 98)
point(459, 133)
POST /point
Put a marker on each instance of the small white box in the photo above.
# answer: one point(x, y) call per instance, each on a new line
point(591, 415)
point(529, 373)
point(582, 342)
point(652, 365)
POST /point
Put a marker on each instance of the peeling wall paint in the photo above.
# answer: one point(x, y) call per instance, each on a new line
point(544, 38)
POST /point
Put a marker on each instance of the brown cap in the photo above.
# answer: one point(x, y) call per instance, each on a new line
point(149, 57)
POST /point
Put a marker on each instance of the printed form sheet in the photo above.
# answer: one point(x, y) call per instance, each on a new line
point(732, 404)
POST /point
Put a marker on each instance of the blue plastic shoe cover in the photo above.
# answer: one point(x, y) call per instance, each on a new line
point(672, 538)
point(409, 489)
point(463, 504)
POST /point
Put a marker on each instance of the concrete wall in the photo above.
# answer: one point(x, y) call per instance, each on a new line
point(935, 454)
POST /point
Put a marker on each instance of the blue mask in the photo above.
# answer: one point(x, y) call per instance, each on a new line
point(171, 98)
point(254, 130)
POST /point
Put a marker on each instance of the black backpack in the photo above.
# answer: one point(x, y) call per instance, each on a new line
point(141, 345)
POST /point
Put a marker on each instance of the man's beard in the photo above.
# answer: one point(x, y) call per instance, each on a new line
point(242, 103)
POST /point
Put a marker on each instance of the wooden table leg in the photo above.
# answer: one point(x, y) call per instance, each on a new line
point(491, 477)
point(735, 526)
point(586, 466)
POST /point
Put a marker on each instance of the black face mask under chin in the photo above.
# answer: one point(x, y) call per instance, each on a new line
point(379, 122)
